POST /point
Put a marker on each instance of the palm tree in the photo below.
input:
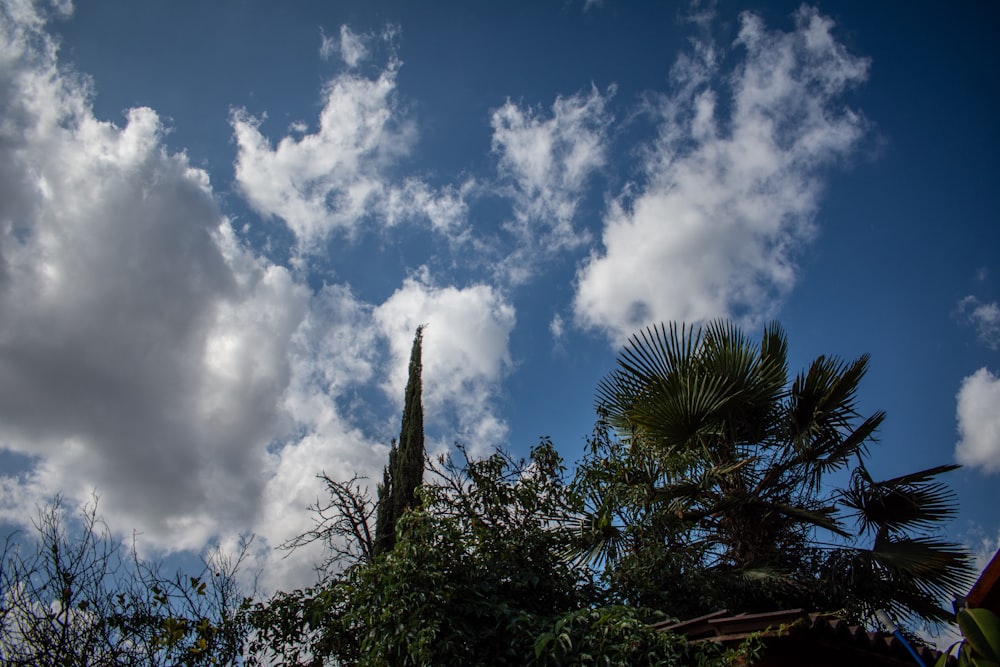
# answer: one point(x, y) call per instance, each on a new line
point(708, 484)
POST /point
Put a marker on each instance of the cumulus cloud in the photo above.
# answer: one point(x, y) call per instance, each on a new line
point(978, 416)
point(334, 353)
point(340, 177)
point(143, 349)
point(984, 317)
point(731, 185)
point(465, 353)
point(547, 160)
point(332, 178)
point(343, 349)
point(147, 353)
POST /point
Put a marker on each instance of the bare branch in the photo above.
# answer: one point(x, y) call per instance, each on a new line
point(343, 524)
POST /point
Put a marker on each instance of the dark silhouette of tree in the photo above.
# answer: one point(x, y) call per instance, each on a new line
point(72, 595)
point(707, 485)
point(405, 472)
point(710, 485)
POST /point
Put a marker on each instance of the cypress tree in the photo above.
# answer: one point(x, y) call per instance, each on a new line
point(385, 524)
point(405, 472)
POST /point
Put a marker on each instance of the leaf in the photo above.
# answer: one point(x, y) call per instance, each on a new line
point(933, 566)
point(910, 501)
point(822, 517)
point(942, 660)
point(543, 642)
point(982, 662)
point(981, 629)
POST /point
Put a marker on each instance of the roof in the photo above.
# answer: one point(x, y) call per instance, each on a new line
point(794, 637)
point(985, 593)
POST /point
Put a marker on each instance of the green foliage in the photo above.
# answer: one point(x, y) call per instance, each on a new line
point(69, 595)
point(436, 600)
point(301, 627)
point(475, 571)
point(981, 646)
point(477, 576)
point(707, 486)
point(620, 635)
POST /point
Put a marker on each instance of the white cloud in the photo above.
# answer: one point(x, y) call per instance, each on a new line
point(147, 354)
point(327, 45)
point(978, 416)
point(557, 327)
point(143, 350)
point(350, 46)
point(446, 209)
point(730, 189)
point(548, 162)
point(334, 353)
point(332, 178)
point(465, 353)
point(981, 544)
point(339, 177)
point(985, 317)
point(343, 347)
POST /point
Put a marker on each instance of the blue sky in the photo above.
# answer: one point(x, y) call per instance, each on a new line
point(220, 224)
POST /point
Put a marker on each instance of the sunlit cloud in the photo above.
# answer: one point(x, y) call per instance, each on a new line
point(144, 347)
point(547, 159)
point(466, 353)
point(731, 185)
point(979, 421)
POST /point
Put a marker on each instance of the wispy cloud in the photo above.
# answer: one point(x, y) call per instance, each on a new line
point(984, 317)
point(350, 46)
point(547, 159)
point(732, 184)
point(979, 421)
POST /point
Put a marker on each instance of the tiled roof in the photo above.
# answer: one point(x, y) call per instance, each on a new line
point(985, 593)
point(814, 636)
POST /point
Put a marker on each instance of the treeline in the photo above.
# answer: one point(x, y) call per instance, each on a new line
point(706, 485)
point(76, 597)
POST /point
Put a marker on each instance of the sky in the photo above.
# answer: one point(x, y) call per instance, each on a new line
point(221, 224)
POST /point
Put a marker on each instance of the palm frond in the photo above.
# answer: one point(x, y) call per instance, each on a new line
point(774, 348)
point(758, 379)
point(657, 352)
point(824, 517)
point(937, 568)
point(693, 488)
point(722, 457)
point(596, 540)
point(823, 398)
point(922, 475)
point(913, 501)
point(675, 412)
point(832, 451)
